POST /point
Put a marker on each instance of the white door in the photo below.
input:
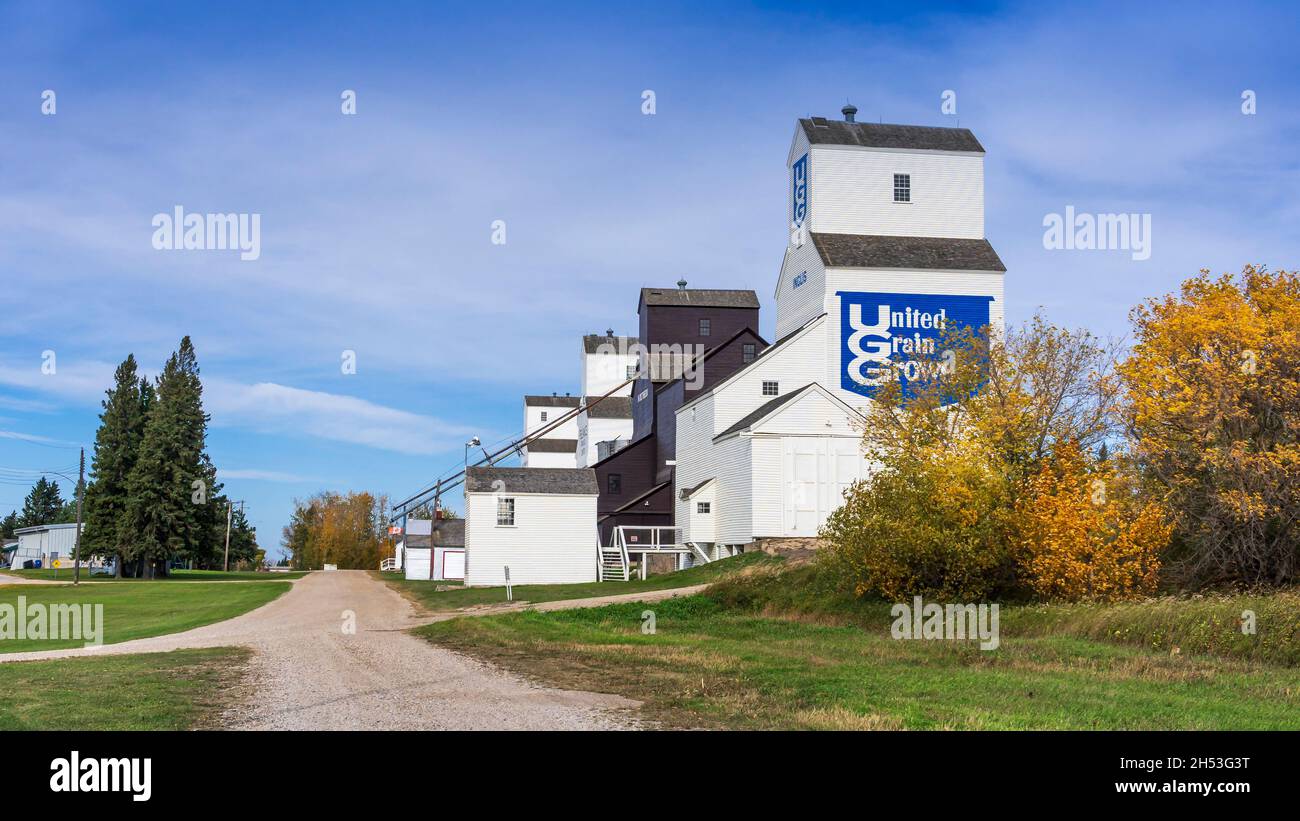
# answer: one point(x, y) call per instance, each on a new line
point(802, 462)
point(816, 471)
point(453, 564)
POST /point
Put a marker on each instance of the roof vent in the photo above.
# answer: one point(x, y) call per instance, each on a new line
point(681, 283)
point(609, 332)
point(849, 110)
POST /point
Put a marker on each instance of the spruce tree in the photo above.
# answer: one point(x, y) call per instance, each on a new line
point(43, 504)
point(117, 443)
point(172, 486)
point(9, 525)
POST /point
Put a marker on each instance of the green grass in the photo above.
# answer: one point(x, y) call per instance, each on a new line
point(182, 690)
point(133, 611)
point(783, 650)
point(424, 593)
point(64, 574)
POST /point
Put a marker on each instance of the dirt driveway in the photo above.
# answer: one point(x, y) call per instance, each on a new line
point(312, 672)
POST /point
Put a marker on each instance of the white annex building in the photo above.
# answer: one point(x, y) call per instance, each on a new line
point(887, 248)
point(538, 522)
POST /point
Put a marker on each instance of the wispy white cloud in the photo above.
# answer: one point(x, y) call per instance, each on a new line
point(268, 407)
point(265, 407)
point(31, 437)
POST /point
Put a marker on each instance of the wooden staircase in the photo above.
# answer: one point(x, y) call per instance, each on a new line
point(614, 565)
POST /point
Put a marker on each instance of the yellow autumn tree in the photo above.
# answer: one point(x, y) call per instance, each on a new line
point(1084, 535)
point(1212, 402)
point(956, 454)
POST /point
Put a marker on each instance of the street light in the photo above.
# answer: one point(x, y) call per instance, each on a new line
point(473, 443)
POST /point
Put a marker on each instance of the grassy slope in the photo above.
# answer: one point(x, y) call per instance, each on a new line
point(133, 611)
point(425, 594)
point(183, 690)
point(64, 574)
point(780, 650)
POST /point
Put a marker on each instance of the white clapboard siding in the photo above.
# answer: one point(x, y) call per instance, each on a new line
point(735, 493)
point(553, 540)
point(703, 528)
point(794, 364)
point(695, 460)
point(852, 192)
point(795, 306)
point(417, 563)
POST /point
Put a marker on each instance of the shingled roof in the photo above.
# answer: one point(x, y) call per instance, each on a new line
point(572, 481)
point(592, 343)
point(926, 253)
point(553, 445)
point(699, 297)
point(611, 407)
point(551, 401)
point(821, 131)
point(446, 533)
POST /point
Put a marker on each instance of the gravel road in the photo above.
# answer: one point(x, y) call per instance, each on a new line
point(311, 673)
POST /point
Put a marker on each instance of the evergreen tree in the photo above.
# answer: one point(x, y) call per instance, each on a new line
point(117, 444)
point(172, 487)
point(42, 505)
point(9, 524)
point(68, 513)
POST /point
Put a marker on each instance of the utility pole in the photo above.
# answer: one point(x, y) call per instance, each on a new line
point(81, 493)
point(230, 509)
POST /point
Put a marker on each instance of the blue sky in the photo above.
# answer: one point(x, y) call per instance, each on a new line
point(376, 228)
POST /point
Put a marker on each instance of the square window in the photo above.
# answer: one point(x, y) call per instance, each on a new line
point(543, 416)
point(505, 512)
point(902, 188)
point(706, 327)
point(701, 507)
point(770, 389)
point(614, 483)
point(748, 352)
point(631, 371)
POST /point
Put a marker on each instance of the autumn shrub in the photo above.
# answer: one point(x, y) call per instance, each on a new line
point(1083, 534)
point(930, 526)
point(961, 505)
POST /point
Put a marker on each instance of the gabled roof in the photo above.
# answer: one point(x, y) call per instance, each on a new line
point(821, 131)
point(763, 356)
point(611, 407)
point(925, 253)
point(688, 492)
point(545, 445)
point(698, 297)
point(567, 481)
point(602, 343)
point(768, 409)
point(537, 401)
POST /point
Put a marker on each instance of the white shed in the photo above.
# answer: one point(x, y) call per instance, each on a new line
point(44, 543)
point(539, 522)
point(438, 553)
